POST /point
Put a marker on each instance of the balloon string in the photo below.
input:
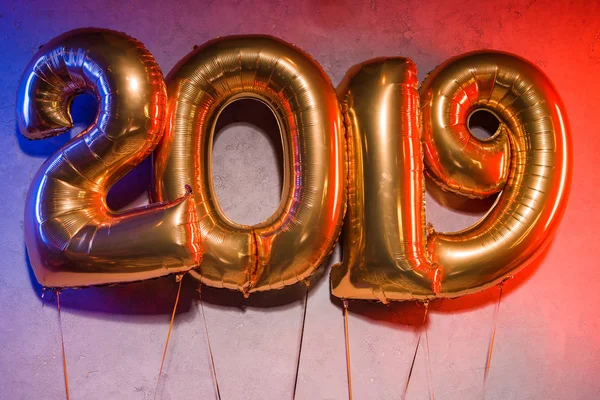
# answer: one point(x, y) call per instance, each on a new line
point(180, 279)
point(62, 343)
point(300, 347)
point(347, 339)
point(412, 365)
point(428, 360)
point(210, 352)
point(488, 362)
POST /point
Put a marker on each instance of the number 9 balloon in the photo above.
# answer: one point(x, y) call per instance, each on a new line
point(528, 160)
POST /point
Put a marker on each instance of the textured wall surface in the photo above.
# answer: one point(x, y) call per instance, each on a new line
point(547, 342)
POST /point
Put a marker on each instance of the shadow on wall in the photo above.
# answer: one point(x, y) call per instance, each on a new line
point(157, 296)
point(408, 314)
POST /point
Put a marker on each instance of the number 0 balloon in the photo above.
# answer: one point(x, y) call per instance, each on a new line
point(292, 243)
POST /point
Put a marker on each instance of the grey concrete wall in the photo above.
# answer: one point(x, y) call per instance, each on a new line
point(547, 343)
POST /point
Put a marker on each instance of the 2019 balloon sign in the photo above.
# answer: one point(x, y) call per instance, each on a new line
point(361, 152)
point(354, 159)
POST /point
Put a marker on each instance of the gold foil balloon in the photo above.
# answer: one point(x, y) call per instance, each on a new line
point(384, 233)
point(293, 242)
point(528, 159)
point(72, 237)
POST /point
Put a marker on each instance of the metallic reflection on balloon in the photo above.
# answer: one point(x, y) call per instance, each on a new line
point(529, 160)
point(292, 243)
point(384, 233)
point(72, 237)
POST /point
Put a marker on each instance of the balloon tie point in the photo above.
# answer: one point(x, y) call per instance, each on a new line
point(430, 229)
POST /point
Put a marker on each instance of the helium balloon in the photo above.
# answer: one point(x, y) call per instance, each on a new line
point(72, 237)
point(528, 160)
point(385, 257)
point(292, 243)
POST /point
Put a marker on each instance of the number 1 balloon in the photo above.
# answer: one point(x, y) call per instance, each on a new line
point(385, 256)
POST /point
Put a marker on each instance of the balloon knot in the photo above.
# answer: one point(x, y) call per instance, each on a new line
point(430, 229)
